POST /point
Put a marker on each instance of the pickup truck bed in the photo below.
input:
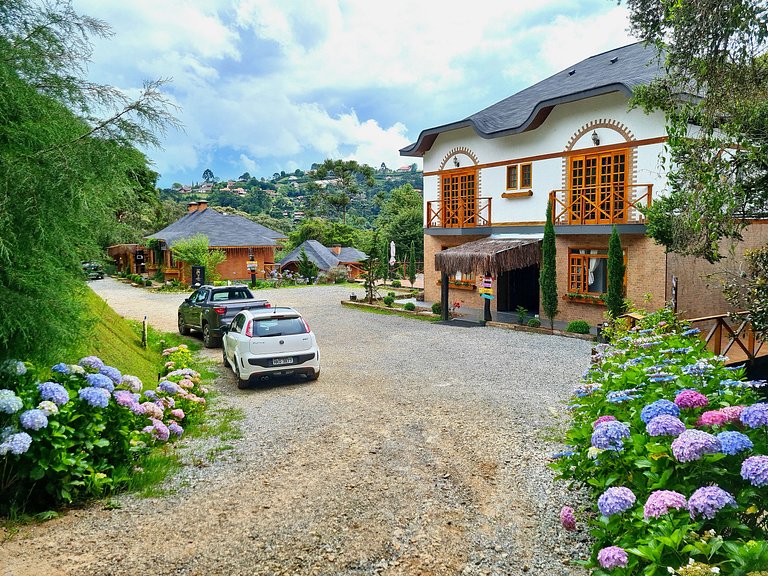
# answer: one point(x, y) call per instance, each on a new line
point(210, 307)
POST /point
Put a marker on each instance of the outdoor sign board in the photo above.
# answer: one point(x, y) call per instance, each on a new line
point(198, 275)
point(252, 266)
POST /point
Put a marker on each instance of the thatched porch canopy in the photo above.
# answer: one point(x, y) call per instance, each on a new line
point(489, 256)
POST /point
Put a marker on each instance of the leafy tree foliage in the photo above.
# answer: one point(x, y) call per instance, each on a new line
point(401, 219)
point(350, 177)
point(614, 297)
point(208, 175)
point(196, 251)
point(717, 79)
point(306, 268)
point(65, 173)
point(548, 272)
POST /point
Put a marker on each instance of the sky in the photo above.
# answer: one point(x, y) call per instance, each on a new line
point(265, 86)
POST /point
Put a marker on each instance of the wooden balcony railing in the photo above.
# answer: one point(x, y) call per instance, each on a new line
point(454, 214)
point(601, 205)
point(730, 337)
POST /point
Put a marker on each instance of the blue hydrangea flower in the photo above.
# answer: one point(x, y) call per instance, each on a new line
point(665, 425)
point(93, 362)
point(734, 442)
point(96, 397)
point(14, 367)
point(61, 368)
point(111, 373)
point(9, 402)
point(755, 416)
point(150, 395)
point(33, 419)
point(563, 454)
point(708, 501)
point(658, 408)
point(615, 500)
point(100, 381)
point(175, 429)
point(54, 392)
point(755, 469)
point(662, 377)
point(168, 387)
point(609, 435)
point(619, 396)
point(16, 444)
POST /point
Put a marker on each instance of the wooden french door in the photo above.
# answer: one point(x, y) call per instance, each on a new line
point(598, 188)
point(459, 199)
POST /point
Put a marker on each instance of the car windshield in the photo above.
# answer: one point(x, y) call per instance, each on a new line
point(278, 327)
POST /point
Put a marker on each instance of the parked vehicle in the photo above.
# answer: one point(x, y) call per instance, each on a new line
point(274, 342)
point(210, 307)
point(93, 270)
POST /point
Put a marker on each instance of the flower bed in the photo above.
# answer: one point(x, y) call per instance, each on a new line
point(81, 433)
point(672, 446)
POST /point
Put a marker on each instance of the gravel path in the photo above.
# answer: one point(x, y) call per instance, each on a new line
point(422, 449)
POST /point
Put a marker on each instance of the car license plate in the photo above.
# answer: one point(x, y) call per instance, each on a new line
point(281, 361)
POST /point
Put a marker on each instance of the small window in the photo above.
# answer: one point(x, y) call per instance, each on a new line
point(512, 172)
point(588, 271)
point(239, 322)
point(520, 176)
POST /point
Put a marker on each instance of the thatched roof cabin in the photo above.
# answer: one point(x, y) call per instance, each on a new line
point(489, 256)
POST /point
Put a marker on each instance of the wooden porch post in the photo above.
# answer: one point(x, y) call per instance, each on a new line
point(443, 296)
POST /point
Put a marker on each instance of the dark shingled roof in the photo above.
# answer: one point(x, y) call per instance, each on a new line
point(221, 230)
point(618, 70)
point(323, 257)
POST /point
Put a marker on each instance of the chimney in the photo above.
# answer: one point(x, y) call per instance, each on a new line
point(192, 207)
point(202, 205)
point(336, 249)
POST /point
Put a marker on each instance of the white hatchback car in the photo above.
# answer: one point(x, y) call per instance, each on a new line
point(260, 343)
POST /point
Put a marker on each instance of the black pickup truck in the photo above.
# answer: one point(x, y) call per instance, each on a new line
point(210, 307)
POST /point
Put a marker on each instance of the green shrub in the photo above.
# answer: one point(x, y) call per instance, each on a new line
point(396, 284)
point(392, 294)
point(534, 323)
point(522, 312)
point(389, 300)
point(147, 282)
point(410, 306)
point(337, 275)
point(437, 308)
point(578, 327)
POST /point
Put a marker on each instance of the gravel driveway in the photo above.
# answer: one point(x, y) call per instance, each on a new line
point(422, 449)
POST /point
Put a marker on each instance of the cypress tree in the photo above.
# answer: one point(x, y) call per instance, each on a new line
point(614, 297)
point(548, 272)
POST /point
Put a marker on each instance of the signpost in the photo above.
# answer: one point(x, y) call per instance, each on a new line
point(252, 266)
point(486, 292)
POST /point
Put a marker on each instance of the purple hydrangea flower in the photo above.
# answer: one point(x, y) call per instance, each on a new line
point(9, 402)
point(755, 469)
point(132, 382)
point(158, 430)
point(615, 500)
point(100, 381)
point(658, 408)
point(16, 444)
point(568, 518)
point(608, 435)
point(61, 368)
point(665, 425)
point(111, 373)
point(694, 444)
point(691, 399)
point(125, 398)
point(150, 395)
point(33, 419)
point(168, 387)
point(661, 501)
point(734, 442)
point(612, 557)
point(96, 397)
point(91, 362)
point(136, 408)
point(175, 429)
point(54, 392)
point(756, 415)
point(708, 500)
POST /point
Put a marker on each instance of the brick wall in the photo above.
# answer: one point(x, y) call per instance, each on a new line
point(433, 245)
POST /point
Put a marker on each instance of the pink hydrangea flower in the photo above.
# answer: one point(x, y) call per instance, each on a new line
point(178, 413)
point(691, 399)
point(601, 419)
point(712, 418)
point(567, 518)
point(661, 501)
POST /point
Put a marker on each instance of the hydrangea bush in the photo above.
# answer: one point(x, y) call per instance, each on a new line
point(673, 446)
point(80, 431)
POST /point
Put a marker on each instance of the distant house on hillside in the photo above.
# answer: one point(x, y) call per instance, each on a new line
point(325, 258)
point(240, 238)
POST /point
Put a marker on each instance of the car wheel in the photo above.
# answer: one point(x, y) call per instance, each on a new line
point(313, 376)
point(209, 339)
point(224, 357)
point(242, 384)
point(183, 328)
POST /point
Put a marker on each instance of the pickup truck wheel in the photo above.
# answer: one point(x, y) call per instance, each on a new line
point(183, 328)
point(209, 339)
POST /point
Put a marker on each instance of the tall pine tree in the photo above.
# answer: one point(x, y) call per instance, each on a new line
point(548, 273)
point(614, 297)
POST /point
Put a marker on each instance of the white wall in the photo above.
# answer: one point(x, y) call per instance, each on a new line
point(551, 137)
